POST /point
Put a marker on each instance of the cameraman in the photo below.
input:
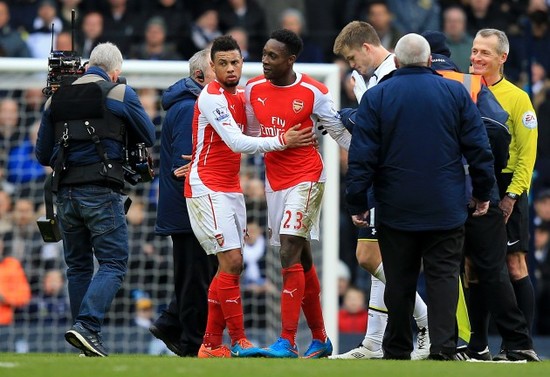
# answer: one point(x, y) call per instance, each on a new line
point(82, 135)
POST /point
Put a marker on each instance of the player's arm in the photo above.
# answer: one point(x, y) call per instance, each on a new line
point(252, 123)
point(525, 135)
point(329, 119)
point(216, 111)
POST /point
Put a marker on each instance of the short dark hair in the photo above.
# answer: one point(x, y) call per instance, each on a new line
point(223, 43)
point(291, 40)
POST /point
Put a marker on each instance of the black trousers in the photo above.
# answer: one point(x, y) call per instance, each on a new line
point(187, 313)
point(485, 245)
point(403, 252)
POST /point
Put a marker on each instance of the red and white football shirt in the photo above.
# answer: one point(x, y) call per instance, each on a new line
point(218, 141)
point(278, 108)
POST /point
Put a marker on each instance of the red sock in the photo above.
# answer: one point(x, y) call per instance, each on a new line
point(291, 300)
point(215, 323)
point(229, 293)
point(311, 305)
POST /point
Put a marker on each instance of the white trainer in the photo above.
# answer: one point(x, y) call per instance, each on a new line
point(360, 352)
point(423, 344)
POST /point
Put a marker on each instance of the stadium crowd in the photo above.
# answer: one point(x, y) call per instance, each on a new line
point(175, 30)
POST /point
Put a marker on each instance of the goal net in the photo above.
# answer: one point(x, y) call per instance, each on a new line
point(40, 325)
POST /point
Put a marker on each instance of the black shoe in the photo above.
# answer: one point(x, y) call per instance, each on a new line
point(501, 356)
point(463, 353)
point(173, 345)
point(88, 342)
point(443, 356)
point(517, 355)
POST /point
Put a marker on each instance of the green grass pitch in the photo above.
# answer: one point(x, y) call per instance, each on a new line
point(70, 365)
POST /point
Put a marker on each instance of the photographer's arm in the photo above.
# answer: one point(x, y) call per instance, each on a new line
point(46, 138)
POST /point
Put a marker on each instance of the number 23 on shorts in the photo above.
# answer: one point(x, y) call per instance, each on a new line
point(293, 220)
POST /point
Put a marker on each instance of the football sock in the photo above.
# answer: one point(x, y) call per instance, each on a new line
point(215, 323)
point(378, 313)
point(525, 296)
point(311, 305)
point(420, 313)
point(479, 318)
point(291, 300)
point(229, 294)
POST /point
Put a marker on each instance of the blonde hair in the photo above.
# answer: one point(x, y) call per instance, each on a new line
point(353, 35)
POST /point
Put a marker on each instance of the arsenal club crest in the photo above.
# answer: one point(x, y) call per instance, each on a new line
point(297, 105)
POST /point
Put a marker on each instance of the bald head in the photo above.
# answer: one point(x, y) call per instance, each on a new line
point(412, 50)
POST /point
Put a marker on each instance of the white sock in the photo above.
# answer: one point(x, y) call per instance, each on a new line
point(378, 316)
point(420, 313)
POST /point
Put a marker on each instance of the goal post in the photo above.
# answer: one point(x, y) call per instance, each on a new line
point(20, 74)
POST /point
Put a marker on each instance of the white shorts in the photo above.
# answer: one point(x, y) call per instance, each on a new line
point(218, 221)
point(295, 211)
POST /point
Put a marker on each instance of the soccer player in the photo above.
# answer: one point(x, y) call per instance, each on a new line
point(360, 45)
point(214, 197)
point(489, 53)
point(294, 184)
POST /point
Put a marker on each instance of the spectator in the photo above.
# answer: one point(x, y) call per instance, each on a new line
point(144, 312)
point(40, 37)
point(50, 307)
point(203, 31)
point(155, 46)
point(542, 275)
point(353, 315)
point(344, 281)
point(274, 9)
point(542, 259)
point(14, 288)
point(241, 36)
point(11, 43)
point(248, 15)
point(255, 286)
point(176, 18)
point(381, 19)
point(121, 25)
point(529, 46)
point(64, 42)
point(65, 8)
point(6, 223)
point(412, 16)
point(23, 169)
point(483, 14)
point(91, 33)
point(458, 40)
point(253, 252)
point(294, 20)
point(32, 102)
point(542, 165)
point(25, 242)
point(10, 133)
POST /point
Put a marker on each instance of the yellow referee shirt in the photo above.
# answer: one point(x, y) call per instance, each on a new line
point(523, 127)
